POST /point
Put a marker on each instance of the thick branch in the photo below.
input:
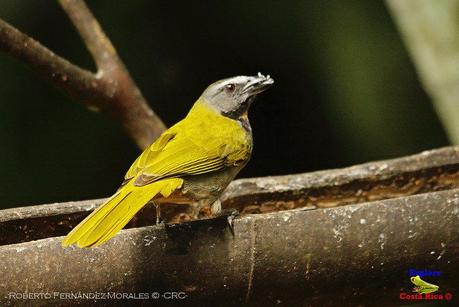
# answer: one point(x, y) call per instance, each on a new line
point(292, 257)
point(96, 41)
point(78, 82)
point(130, 108)
point(111, 90)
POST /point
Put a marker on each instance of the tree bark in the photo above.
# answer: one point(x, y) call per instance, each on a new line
point(321, 241)
point(110, 89)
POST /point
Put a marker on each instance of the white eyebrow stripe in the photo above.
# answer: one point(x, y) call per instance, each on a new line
point(238, 79)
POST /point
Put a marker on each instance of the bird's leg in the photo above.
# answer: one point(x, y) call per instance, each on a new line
point(216, 207)
point(230, 213)
point(216, 210)
point(158, 212)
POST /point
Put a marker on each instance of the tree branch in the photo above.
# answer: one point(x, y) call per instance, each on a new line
point(96, 41)
point(110, 90)
point(390, 215)
point(76, 81)
point(430, 31)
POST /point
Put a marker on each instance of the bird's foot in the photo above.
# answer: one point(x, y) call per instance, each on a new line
point(160, 222)
point(230, 215)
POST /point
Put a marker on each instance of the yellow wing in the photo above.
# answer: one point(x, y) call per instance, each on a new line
point(203, 142)
point(149, 154)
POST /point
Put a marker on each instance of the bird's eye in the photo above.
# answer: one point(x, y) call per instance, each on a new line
point(230, 87)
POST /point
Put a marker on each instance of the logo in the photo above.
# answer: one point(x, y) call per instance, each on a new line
point(424, 290)
point(422, 286)
point(423, 273)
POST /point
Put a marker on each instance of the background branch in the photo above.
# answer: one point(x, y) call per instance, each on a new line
point(78, 82)
point(96, 41)
point(110, 90)
point(431, 34)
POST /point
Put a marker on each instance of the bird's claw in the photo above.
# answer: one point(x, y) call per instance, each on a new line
point(160, 222)
point(230, 214)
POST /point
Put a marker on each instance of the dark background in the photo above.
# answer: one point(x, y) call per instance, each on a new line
point(346, 91)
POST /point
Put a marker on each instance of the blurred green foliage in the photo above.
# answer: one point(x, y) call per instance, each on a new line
point(345, 91)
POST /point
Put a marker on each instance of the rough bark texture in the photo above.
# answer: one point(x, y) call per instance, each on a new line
point(348, 254)
point(426, 172)
point(309, 254)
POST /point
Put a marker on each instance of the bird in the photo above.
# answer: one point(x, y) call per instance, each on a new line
point(191, 163)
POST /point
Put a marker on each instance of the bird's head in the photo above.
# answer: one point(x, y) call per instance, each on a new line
point(232, 97)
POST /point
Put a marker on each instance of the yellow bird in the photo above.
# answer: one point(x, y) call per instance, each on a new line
point(190, 163)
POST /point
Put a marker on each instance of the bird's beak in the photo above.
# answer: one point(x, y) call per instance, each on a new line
point(257, 84)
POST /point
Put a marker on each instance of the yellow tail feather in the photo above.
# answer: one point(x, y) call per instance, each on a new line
point(102, 224)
